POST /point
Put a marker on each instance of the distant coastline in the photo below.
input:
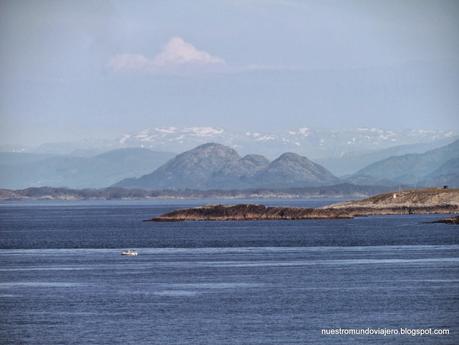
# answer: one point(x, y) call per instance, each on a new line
point(345, 190)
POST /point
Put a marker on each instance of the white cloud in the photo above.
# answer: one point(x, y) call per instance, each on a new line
point(175, 55)
point(177, 52)
point(181, 57)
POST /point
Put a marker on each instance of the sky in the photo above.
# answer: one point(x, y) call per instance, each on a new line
point(73, 70)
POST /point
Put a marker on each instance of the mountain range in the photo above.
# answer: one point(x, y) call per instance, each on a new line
point(310, 142)
point(351, 162)
point(314, 143)
point(447, 174)
point(215, 166)
point(434, 167)
point(22, 170)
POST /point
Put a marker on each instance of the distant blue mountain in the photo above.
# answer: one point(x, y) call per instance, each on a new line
point(349, 163)
point(411, 169)
point(220, 167)
point(447, 174)
point(22, 170)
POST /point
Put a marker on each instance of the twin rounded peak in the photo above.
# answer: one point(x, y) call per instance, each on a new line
point(210, 148)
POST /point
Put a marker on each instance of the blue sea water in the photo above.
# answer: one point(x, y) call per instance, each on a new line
point(63, 280)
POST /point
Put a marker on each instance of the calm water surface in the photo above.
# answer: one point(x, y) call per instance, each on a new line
point(63, 280)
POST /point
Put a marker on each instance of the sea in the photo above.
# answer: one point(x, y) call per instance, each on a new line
point(369, 280)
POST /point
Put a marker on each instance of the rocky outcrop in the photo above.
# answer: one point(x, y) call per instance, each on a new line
point(413, 198)
point(451, 220)
point(248, 212)
point(402, 203)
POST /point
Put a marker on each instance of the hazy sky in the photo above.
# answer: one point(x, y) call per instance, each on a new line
point(81, 69)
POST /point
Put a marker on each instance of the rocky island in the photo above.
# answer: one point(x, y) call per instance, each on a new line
point(450, 220)
point(418, 201)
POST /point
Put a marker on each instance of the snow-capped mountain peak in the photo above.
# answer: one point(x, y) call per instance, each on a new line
point(314, 143)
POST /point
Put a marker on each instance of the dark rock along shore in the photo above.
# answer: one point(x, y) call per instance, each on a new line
point(451, 220)
point(426, 201)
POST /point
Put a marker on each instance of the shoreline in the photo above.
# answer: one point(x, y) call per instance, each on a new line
point(249, 212)
point(427, 201)
point(339, 191)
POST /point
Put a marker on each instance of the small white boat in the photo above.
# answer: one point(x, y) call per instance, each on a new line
point(129, 252)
